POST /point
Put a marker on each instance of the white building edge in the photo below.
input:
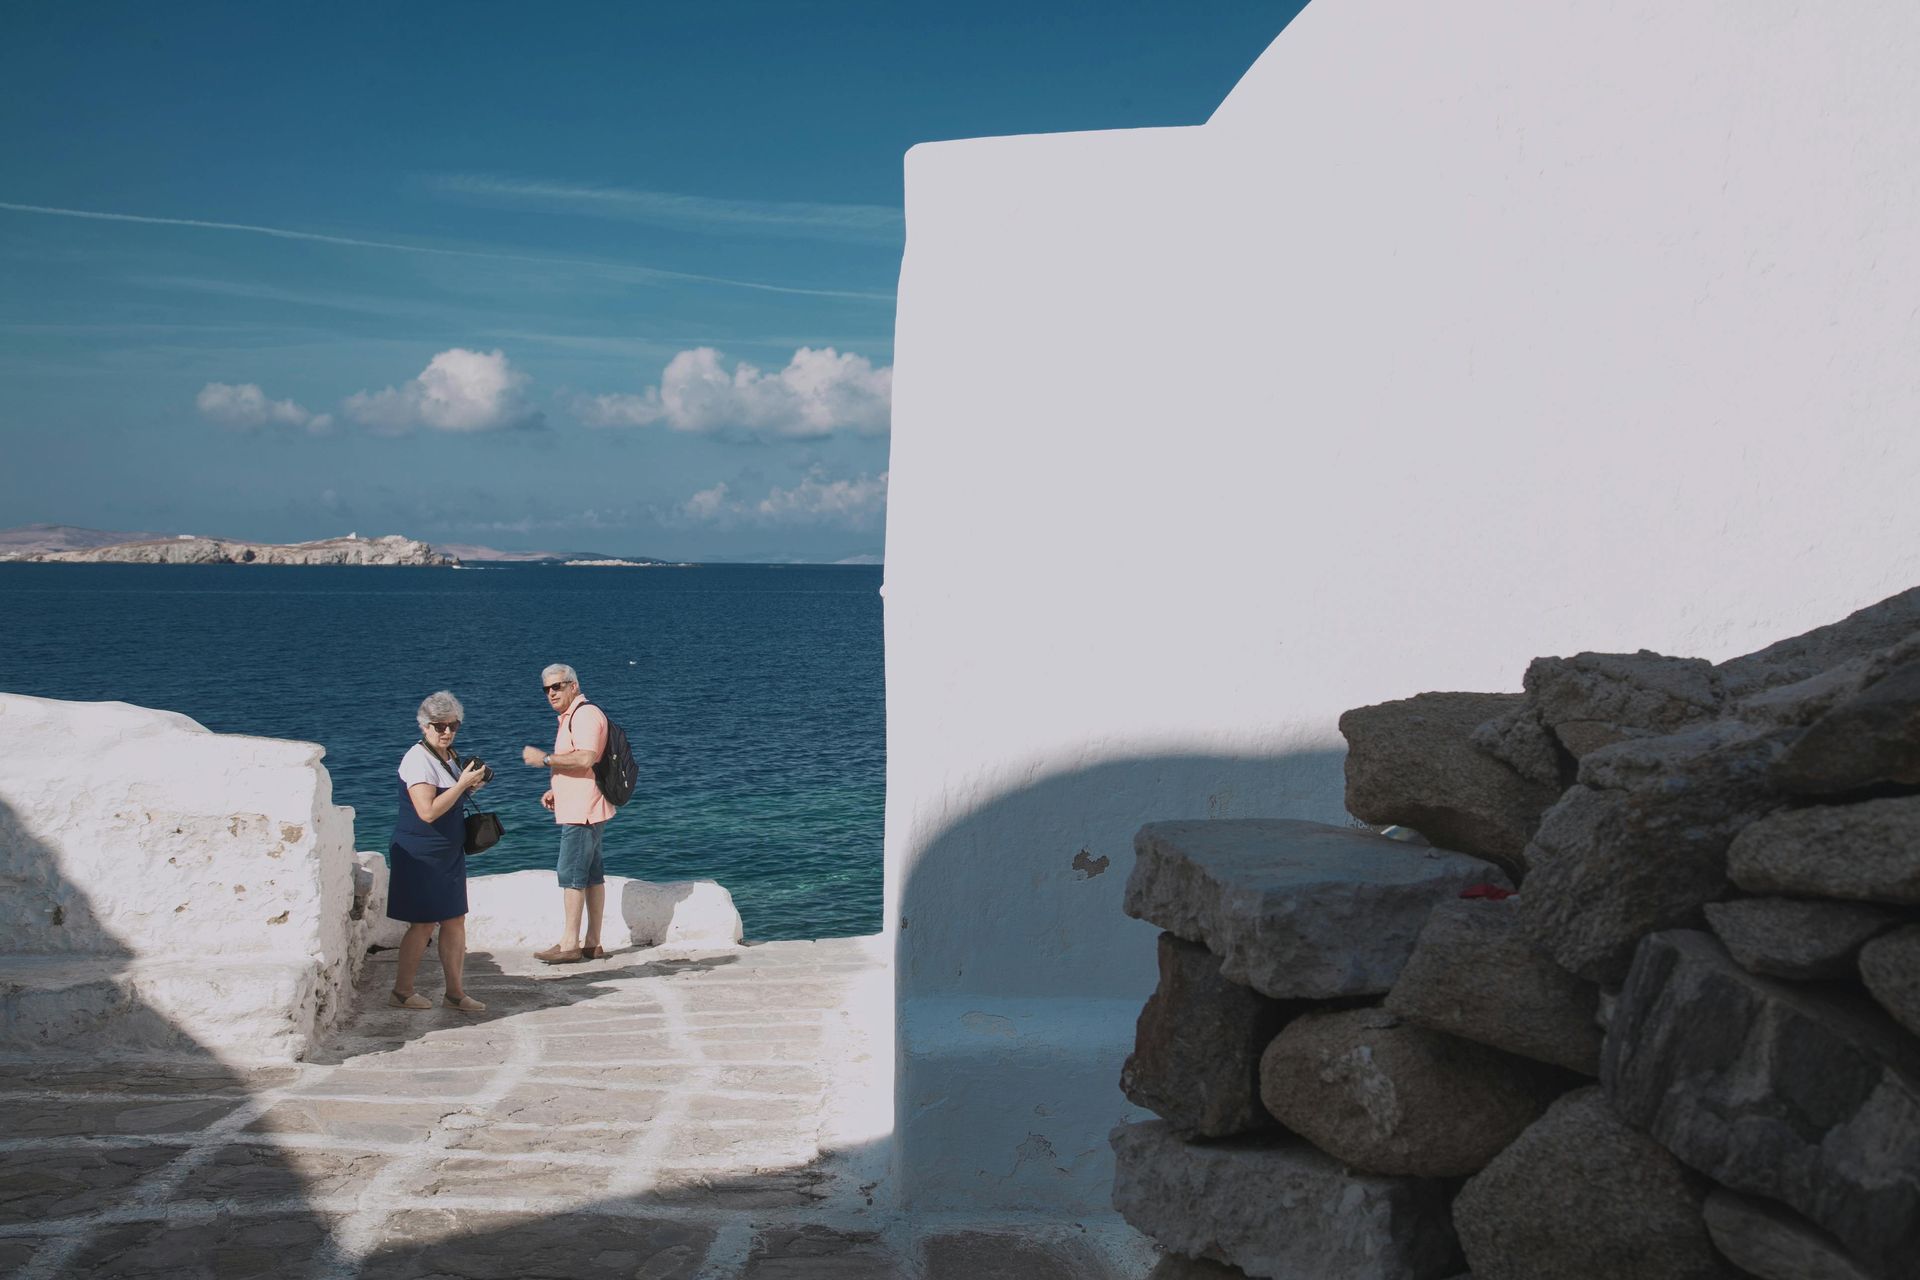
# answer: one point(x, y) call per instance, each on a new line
point(1460, 334)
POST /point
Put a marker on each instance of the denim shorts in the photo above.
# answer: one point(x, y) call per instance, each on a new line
point(580, 865)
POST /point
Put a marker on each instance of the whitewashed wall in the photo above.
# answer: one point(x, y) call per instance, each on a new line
point(1462, 333)
point(168, 890)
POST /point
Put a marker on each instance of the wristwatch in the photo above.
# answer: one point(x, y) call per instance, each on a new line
point(547, 760)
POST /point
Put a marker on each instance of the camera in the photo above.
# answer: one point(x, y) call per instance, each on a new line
point(486, 770)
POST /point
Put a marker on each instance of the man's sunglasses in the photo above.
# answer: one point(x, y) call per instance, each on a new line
point(558, 685)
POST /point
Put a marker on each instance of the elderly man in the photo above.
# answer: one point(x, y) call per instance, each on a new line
point(579, 808)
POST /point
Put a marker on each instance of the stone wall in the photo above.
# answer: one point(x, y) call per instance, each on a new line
point(1628, 984)
point(167, 887)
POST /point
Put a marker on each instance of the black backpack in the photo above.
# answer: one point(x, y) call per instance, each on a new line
point(616, 771)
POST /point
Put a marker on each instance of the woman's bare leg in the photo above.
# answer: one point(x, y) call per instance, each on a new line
point(453, 955)
point(412, 948)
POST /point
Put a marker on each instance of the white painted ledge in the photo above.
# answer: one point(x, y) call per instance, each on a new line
point(521, 910)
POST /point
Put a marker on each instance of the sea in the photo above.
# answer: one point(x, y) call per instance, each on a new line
point(753, 696)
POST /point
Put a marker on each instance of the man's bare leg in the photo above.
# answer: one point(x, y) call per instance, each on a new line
point(596, 910)
point(570, 935)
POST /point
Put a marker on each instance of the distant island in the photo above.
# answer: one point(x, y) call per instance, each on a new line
point(393, 549)
point(71, 544)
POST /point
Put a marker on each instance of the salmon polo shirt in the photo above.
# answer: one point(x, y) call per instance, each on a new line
point(576, 796)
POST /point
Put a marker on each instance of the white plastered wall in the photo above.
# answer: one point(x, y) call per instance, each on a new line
point(1461, 334)
point(168, 890)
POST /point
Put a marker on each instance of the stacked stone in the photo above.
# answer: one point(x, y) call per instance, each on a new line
point(1689, 1047)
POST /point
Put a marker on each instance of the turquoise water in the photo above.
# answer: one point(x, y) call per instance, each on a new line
point(753, 696)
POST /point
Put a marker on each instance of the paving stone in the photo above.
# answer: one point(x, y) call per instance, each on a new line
point(773, 1111)
point(500, 1140)
point(988, 1255)
point(819, 1253)
point(229, 1247)
point(1295, 909)
point(466, 1175)
point(614, 1047)
point(37, 1183)
point(466, 1244)
point(82, 1116)
point(138, 1077)
point(1176, 1266)
point(260, 1171)
point(557, 1104)
point(355, 1121)
point(422, 1085)
point(747, 1189)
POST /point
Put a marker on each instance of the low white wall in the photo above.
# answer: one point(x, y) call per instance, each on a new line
point(1461, 334)
point(167, 877)
point(521, 911)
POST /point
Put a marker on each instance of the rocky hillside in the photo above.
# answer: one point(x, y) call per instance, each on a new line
point(1630, 986)
point(352, 550)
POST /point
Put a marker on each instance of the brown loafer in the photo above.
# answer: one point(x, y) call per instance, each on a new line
point(594, 953)
point(554, 955)
point(555, 950)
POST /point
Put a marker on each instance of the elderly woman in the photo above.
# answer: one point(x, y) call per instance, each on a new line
point(428, 885)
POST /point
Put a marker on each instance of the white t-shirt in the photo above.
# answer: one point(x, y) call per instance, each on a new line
point(421, 765)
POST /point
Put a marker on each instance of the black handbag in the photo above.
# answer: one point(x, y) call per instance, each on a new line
point(483, 831)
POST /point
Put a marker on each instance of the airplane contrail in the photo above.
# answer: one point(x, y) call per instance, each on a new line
point(282, 233)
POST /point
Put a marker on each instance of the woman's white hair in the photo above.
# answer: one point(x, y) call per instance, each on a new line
point(559, 671)
point(439, 706)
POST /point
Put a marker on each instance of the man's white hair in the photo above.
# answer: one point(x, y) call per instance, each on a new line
point(559, 671)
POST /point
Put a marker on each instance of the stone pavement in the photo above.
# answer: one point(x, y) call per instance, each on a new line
point(699, 1116)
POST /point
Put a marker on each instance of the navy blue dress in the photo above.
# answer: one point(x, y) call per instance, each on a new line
point(427, 880)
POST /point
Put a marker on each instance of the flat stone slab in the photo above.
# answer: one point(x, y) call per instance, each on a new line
point(1295, 909)
point(1278, 1208)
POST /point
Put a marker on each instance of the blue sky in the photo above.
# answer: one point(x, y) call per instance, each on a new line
point(611, 277)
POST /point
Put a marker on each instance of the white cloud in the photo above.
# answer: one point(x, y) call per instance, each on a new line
point(245, 405)
point(459, 390)
point(819, 393)
point(815, 501)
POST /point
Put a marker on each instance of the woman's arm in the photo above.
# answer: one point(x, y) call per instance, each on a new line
point(432, 807)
